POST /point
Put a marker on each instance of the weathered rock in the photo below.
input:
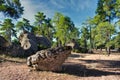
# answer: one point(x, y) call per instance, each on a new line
point(43, 41)
point(3, 42)
point(12, 50)
point(16, 50)
point(49, 59)
point(3, 45)
point(26, 35)
point(74, 44)
point(30, 42)
point(76, 47)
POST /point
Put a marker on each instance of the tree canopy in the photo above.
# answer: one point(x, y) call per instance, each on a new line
point(11, 8)
point(99, 31)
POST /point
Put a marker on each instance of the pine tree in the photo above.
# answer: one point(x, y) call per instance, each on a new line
point(7, 30)
point(11, 8)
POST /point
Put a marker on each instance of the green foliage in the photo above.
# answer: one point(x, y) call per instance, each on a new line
point(64, 29)
point(105, 9)
point(84, 37)
point(117, 8)
point(117, 24)
point(95, 32)
point(54, 44)
point(104, 32)
point(40, 19)
point(43, 26)
point(117, 41)
point(7, 29)
point(24, 25)
point(11, 8)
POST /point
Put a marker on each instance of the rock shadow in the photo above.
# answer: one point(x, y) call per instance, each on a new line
point(105, 63)
point(82, 71)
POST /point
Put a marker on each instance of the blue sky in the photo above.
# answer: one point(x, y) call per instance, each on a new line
point(77, 10)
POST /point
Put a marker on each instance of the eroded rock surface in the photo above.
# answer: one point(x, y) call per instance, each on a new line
point(3, 42)
point(30, 43)
point(49, 59)
point(3, 45)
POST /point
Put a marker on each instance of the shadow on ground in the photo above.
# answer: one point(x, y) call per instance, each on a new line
point(82, 71)
point(105, 63)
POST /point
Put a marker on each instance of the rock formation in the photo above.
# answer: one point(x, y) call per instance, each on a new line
point(50, 59)
point(73, 44)
point(30, 42)
point(43, 41)
point(16, 50)
point(3, 45)
point(3, 42)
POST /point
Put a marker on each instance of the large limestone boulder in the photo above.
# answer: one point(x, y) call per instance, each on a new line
point(27, 40)
point(43, 41)
point(49, 59)
point(30, 42)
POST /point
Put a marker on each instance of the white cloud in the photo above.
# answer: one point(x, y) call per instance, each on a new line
point(51, 6)
point(44, 8)
point(75, 5)
point(31, 9)
point(57, 4)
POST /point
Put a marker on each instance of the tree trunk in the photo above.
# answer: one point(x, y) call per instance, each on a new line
point(100, 49)
point(91, 41)
point(108, 51)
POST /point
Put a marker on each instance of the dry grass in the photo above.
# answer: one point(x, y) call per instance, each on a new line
point(76, 67)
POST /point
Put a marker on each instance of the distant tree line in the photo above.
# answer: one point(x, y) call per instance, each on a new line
point(103, 30)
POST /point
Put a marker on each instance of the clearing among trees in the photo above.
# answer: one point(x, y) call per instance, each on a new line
point(76, 67)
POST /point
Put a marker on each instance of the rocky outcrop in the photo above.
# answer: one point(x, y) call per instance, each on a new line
point(49, 59)
point(30, 43)
point(3, 42)
point(16, 50)
point(73, 44)
point(43, 41)
point(76, 47)
point(3, 45)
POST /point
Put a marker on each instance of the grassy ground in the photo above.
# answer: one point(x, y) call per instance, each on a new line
point(76, 67)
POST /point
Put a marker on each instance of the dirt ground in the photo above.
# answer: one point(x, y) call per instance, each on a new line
point(76, 67)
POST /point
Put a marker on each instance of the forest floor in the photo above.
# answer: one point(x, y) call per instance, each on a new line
point(76, 67)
